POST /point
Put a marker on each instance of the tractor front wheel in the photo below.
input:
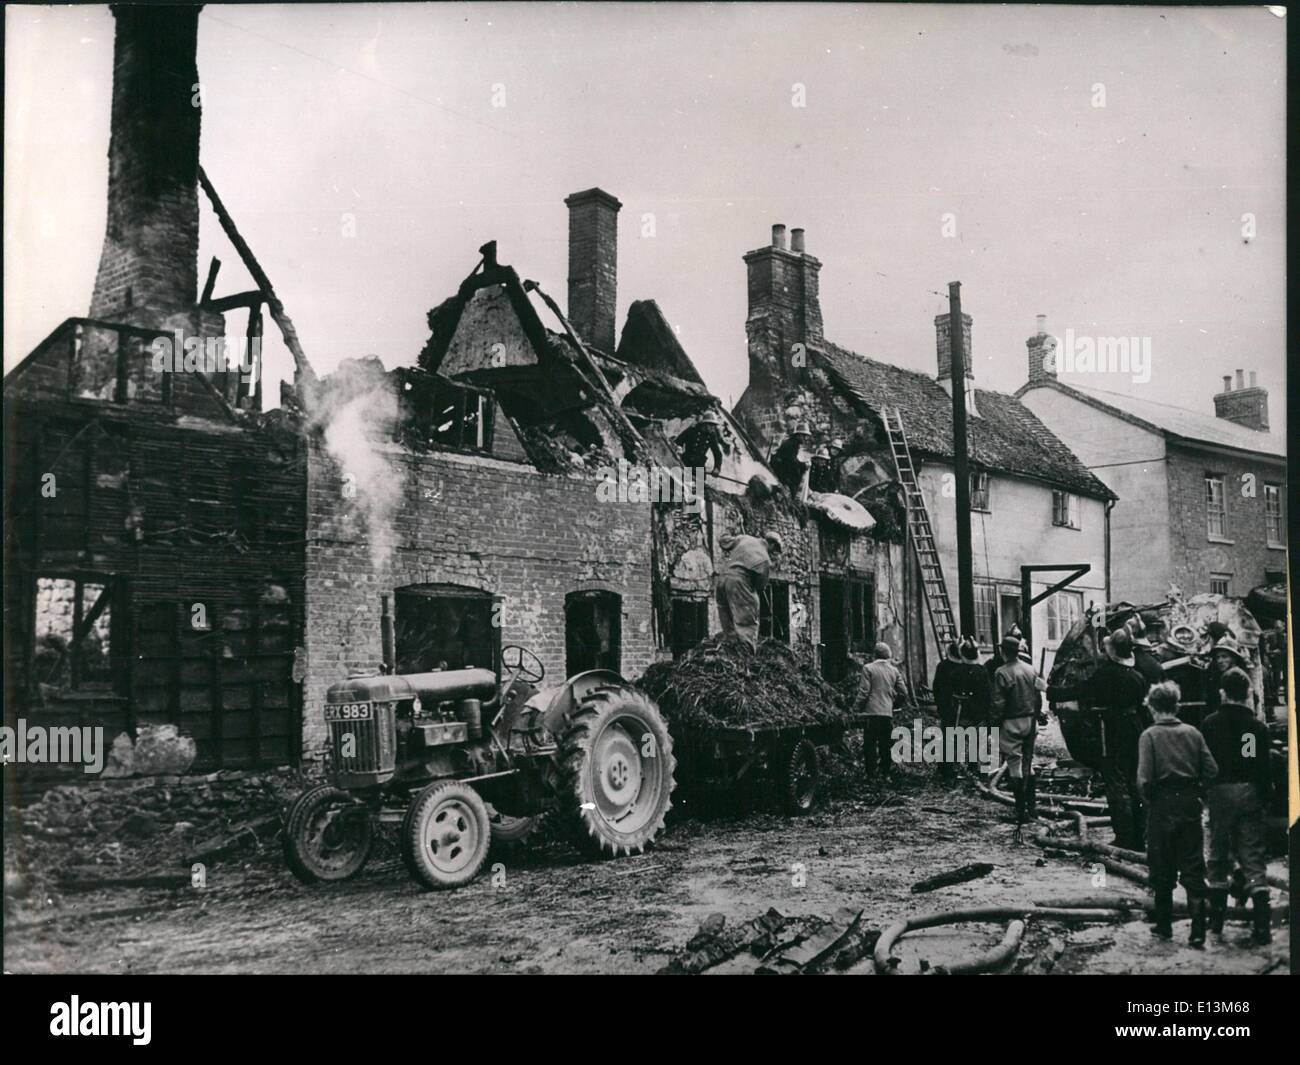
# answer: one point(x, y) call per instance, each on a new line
point(616, 771)
point(327, 835)
point(445, 835)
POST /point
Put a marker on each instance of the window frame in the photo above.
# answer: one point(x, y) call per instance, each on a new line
point(1273, 513)
point(111, 597)
point(1059, 625)
point(978, 477)
point(1221, 578)
point(1066, 510)
point(1211, 481)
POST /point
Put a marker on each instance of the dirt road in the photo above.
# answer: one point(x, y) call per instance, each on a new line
point(555, 912)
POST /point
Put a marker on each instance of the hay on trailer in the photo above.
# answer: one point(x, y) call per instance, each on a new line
point(721, 683)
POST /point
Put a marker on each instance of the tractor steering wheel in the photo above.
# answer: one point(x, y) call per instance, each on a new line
point(522, 661)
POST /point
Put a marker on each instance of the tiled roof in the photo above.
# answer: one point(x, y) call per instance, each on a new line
point(1175, 421)
point(1006, 437)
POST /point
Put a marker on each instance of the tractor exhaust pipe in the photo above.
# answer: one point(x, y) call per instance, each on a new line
point(387, 636)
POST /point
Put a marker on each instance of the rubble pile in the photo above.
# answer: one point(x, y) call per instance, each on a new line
point(132, 824)
point(722, 684)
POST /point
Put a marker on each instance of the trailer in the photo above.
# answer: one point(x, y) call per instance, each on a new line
point(737, 759)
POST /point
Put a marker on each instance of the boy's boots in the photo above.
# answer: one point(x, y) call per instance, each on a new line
point(1164, 927)
point(1197, 909)
point(1031, 796)
point(1218, 909)
point(1261, 931)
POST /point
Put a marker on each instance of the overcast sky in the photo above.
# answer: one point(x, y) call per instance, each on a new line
point(1117, 220)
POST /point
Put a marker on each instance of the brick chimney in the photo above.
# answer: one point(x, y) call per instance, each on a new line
point(148, 269)
point(943, 344)
point(784, 308)
point(593, 266)
point(1041, 345)
point(1247, 404)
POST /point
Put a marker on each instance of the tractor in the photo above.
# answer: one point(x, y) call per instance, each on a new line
point(463, 758)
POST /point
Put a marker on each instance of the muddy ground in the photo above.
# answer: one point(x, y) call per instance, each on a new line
point(553, 912)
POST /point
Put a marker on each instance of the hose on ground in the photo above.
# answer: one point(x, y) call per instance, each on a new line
point(989, 960)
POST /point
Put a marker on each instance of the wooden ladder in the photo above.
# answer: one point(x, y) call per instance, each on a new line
point(937, 602)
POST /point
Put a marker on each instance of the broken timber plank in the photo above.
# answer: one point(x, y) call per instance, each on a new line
point(953, 876)
point(273, 303)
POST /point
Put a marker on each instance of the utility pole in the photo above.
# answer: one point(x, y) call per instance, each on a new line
point(965, 569)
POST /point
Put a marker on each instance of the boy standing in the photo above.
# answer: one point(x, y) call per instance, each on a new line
point(1174, 766)
point(1239, 742)
point(1016, 702)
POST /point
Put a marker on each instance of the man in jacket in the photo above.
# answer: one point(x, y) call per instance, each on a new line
point(1238, 800)
point(743, 576)
point(880, 689)
point(1115, 691)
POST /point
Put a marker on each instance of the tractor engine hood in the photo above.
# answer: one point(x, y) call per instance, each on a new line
point(438, 686)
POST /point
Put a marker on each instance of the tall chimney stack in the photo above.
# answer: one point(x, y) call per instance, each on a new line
point(148, 270)
point(1040, 346)
point(1245, 405)
point(593, 266)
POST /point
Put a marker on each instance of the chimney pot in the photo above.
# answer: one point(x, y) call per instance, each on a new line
point(778, 236)
point(1241, 379)
point(1227, 382)
point(796, 241)
point(1252, 378)
point(1042, 325)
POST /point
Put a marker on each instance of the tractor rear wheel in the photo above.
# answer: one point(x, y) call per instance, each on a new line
point(616, 771)
point(327, 835)
point(799, 771)
point(445, 835)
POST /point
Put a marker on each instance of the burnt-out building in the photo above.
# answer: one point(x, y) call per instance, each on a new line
point(524, 483)
point(154, 516)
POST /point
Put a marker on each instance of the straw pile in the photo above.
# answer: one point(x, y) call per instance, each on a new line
point(722, 684)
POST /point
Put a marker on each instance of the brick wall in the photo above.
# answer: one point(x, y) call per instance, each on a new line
point(501, 527)
point(1245, 554)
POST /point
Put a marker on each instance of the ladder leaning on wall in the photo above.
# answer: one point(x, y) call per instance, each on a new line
point(937, 602)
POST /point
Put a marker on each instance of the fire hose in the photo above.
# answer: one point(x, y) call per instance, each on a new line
point(1119, 860)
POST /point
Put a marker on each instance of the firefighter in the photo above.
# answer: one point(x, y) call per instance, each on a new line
point(826, 474)
point(1116, 691)
point(1016, 702)
point(792, 458)
point(743, 577)
point(942, 686)
point(1144, 658)
point(971, 693)
point(1238, 801)
point(701, 440)
point(1225, 653)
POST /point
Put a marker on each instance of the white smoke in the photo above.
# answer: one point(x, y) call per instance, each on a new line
point(355, 409)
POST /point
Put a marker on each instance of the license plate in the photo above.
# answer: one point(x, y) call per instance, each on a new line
point(349, 711)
